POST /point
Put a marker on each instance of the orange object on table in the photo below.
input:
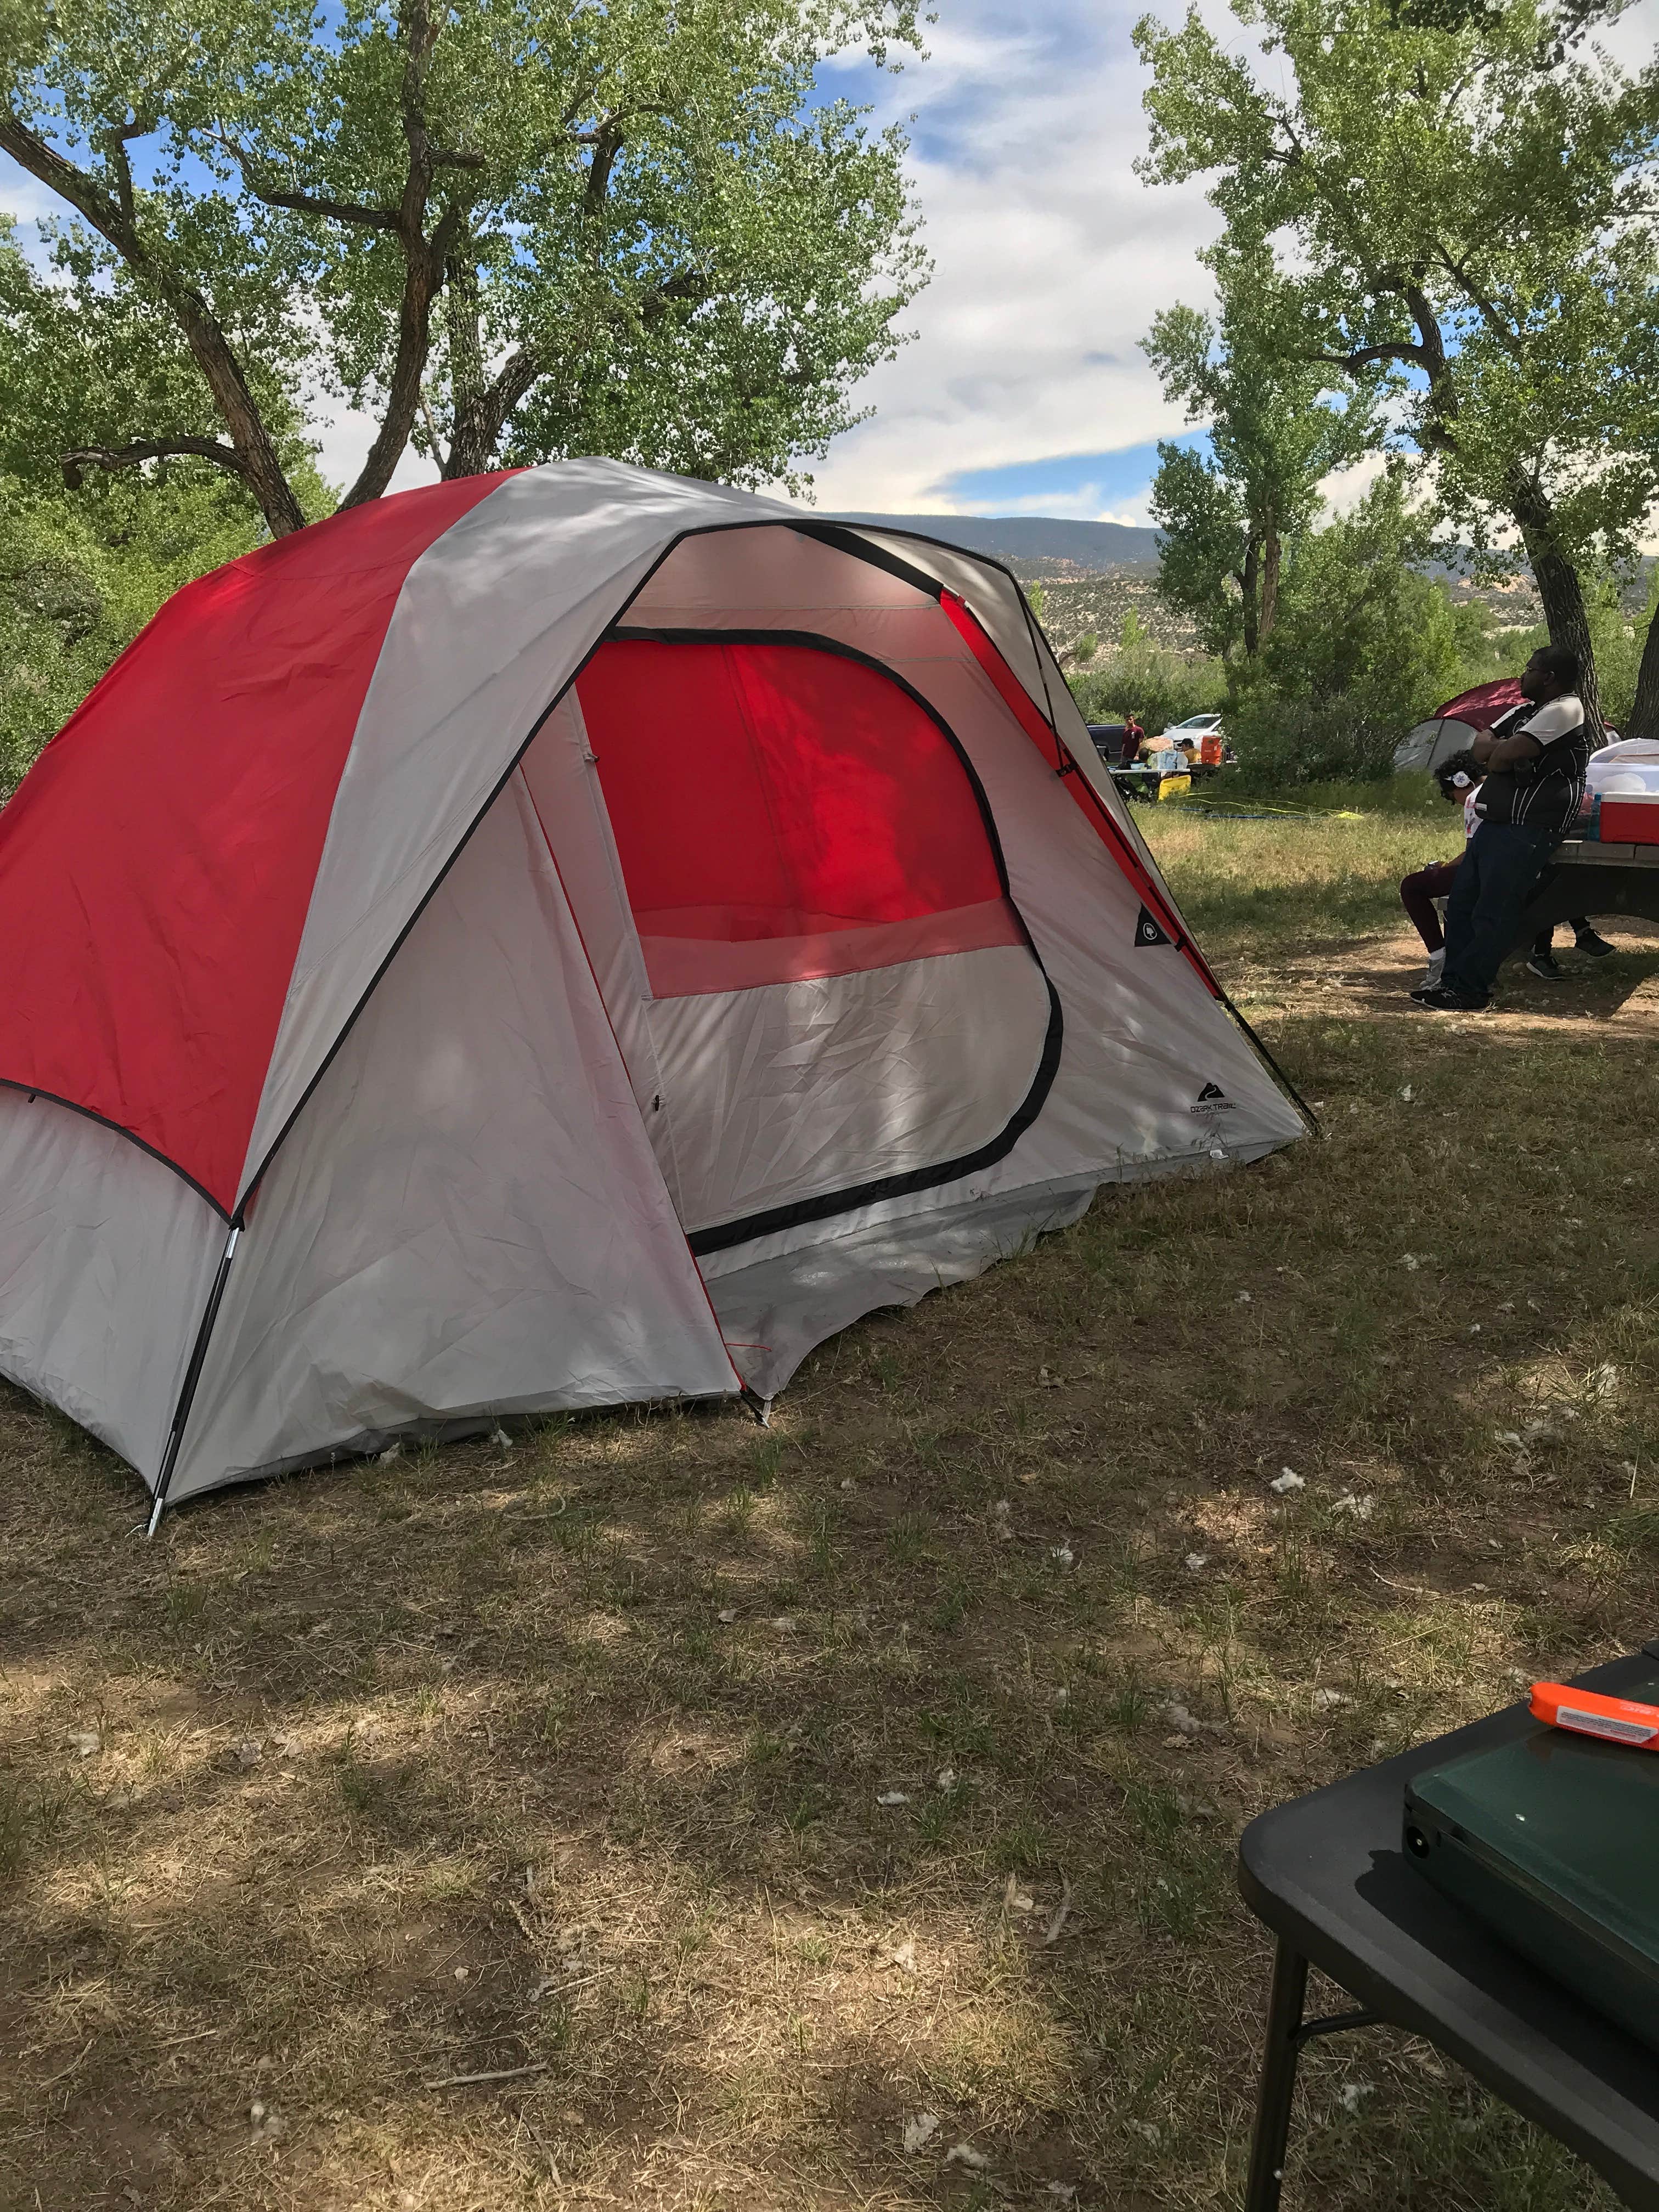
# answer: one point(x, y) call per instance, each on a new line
point(1615, 1720)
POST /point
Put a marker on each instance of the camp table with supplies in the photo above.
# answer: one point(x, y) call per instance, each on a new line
point(1327, 1873)
point(1144, 781)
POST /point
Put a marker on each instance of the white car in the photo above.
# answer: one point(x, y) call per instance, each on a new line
point(1195, 726)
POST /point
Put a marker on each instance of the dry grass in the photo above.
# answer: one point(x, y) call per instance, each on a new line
point(573, 1757)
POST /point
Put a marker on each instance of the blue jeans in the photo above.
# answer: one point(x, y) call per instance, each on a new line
point(1489, 896)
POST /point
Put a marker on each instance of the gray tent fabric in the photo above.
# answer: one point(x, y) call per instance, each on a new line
point(1423, 749)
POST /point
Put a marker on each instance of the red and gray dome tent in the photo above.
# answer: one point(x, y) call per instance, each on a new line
point(556, 939)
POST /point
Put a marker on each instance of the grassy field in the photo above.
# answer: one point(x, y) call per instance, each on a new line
point(747, 1800)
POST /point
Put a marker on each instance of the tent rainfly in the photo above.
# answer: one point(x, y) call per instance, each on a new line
point(561, 939)
point(1452, 728)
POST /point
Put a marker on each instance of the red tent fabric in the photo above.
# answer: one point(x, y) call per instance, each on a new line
point(1483, 706)
point(782, 832)
point(157, 863)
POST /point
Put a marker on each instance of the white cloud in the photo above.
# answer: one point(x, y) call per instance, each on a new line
point(20, 197)
point(1346, 488)
point(1088, 503)
point(1051, 258)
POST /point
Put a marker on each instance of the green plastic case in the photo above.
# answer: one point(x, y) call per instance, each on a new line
point(1552, 1841)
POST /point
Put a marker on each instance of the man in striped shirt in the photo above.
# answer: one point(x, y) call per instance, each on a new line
point(1535, 757)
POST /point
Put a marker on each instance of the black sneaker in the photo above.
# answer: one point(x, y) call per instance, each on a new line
point(1547, 965)
point(1440, 1000)
point(1597, 947)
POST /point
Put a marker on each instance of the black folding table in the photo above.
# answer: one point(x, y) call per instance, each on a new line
point(1328, 1874)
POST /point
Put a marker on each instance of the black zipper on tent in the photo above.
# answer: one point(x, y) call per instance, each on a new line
point(725, 1234)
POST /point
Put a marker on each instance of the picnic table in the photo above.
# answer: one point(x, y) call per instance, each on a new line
point(1585, 876)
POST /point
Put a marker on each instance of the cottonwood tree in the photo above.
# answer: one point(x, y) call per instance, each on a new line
point(508, 229)
point(1275, 430)
point(1463, 193)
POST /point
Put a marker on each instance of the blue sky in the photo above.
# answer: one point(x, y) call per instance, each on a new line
point(1085, 484)
point(1024, 389)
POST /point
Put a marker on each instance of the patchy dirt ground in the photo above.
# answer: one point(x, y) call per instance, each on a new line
point(660, 1812)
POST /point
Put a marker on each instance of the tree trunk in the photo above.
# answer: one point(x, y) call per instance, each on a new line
point(471, 450)
point(1565, 612)
point(1271, 552)
point(1645, 715)
point(1250, 582)
point(424, 257)
point(479, 409)
point(261, 469)
point(423, 274)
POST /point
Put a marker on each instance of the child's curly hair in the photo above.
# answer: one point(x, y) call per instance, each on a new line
point(1453, 766)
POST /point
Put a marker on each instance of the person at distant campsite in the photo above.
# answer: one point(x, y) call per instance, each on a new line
point(1534, 757)
point(1132, 736)
point(1459, 777)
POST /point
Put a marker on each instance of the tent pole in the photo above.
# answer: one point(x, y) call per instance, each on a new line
point(192, 1376)
point(1295, 1096)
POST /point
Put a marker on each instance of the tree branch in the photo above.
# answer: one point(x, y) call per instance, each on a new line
point(607, 143)
point(1367, 354)
point(1443, 393)
point(1505, 336)
point(115, 152)
point(149, 449)
point(690, 284)
point(367, 218)
point(210, 347)
point(423, 258)
point(481, 415)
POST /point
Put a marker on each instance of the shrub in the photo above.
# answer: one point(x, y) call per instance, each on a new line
point(1348, 737)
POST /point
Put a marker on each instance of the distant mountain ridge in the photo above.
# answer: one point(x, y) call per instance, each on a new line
point(1091, 545)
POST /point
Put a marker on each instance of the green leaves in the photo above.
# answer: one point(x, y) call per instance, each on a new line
point(506, 228)
point(1275, 430)
point(1205, 540)
point(1357, 613)
point(77, 583)
point(1460, 197)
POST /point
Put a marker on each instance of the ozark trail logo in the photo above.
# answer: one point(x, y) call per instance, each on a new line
point(1212, 1099)
point(1149, 930)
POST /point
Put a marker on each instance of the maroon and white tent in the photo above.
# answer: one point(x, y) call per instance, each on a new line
point(1452, 728)
point(556, 939)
